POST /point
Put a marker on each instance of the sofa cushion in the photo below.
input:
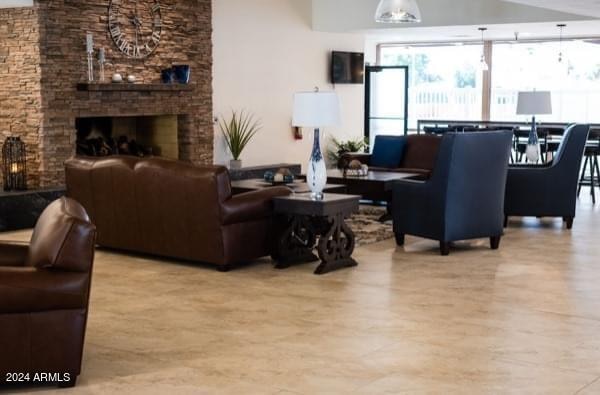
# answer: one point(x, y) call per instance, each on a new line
point(421, 151)
point(388, 151)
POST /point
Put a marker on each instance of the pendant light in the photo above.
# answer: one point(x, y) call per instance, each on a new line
point(561, 26)
point(398, 11)
point(483, 66)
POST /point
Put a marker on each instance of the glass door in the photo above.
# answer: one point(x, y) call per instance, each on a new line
point(386, 101)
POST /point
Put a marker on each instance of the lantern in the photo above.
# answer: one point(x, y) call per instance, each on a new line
point(14, 164)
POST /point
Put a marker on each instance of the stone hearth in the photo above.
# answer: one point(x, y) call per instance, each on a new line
point(42, 61)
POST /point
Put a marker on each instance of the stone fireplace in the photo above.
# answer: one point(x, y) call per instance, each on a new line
point(43, 70)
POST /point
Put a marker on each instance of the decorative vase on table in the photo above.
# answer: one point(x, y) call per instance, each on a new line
point(316, 175)
point(316, 110)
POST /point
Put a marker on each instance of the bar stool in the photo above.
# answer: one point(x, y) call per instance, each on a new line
point(590, 174)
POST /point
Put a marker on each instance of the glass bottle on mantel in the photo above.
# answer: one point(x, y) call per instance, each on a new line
point(316, 175)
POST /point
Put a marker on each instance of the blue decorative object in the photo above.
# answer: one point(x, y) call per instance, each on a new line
point(269, 176)
point(168, 76)
point(283, 176)
point(316, 176)
point(388, 151)
point(182, 73)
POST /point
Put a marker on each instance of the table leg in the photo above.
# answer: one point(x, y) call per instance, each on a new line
point(388, 212)
point(295, 241)
point(336, 245)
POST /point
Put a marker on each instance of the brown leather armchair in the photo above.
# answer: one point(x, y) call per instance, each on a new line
point(173, 209)
point(44, 293)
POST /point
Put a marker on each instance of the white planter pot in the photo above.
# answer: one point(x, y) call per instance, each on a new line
point(235, 164)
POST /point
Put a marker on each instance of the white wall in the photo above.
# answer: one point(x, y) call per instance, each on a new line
point(264, 51)
point(15, 3)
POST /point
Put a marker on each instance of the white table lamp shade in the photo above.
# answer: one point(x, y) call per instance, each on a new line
point(534, 103)
point(316, 109)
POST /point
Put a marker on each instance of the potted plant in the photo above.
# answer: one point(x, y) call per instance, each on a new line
point(238, 132)
point(340, 148)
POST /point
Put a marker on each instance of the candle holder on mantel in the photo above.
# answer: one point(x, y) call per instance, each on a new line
point(89, 47)
point(101, 62)
point(14, 164)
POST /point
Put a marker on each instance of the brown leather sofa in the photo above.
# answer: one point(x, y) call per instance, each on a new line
point(172, 209)
point(44, 293)
point(415, 154)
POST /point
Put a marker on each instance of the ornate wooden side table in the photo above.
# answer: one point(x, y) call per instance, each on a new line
point(303, 223)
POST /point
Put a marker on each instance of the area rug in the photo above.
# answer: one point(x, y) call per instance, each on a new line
point(367, 228)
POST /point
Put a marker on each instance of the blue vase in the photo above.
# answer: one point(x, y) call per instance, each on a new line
point(316, 175)
point(182, 73)
point(168, 76)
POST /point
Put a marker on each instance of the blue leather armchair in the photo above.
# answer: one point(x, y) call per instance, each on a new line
point(464, 198)
point(548, 190)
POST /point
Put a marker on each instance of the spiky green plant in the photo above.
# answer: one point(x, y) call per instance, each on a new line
point(238, 131)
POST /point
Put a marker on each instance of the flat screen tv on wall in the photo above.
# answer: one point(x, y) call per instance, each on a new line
point(347, 67)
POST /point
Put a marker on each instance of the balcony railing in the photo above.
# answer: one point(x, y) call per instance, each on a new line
point(436, 103)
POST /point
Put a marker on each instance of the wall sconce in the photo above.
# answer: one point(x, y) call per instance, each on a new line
point(14, 164)
point(297, 133)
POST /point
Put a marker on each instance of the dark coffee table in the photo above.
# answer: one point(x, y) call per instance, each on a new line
point(376, 185)
point(297, 186)
point(303, 223)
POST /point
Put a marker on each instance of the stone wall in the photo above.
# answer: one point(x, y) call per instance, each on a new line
point(20, 89)
point(62, 25)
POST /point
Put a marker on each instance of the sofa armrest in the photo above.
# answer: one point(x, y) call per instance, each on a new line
point(13, 254)
point(348, 157)
point(251, 206)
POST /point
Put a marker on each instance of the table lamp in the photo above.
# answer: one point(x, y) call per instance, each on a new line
point(316, 110)
point(534, 103)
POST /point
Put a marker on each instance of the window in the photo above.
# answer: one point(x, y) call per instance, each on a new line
point(445, 81)
point(574, 82)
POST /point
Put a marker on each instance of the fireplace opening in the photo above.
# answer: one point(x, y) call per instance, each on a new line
point(136, 136)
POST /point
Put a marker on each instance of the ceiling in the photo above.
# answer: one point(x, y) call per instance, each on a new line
point(358, 15)
point(581, 7)
point(458, 20)
point(496, 32)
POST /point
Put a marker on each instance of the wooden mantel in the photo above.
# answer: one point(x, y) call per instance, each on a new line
point(135, 87)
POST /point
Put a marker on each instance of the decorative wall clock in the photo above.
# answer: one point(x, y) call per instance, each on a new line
point(135, 26)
